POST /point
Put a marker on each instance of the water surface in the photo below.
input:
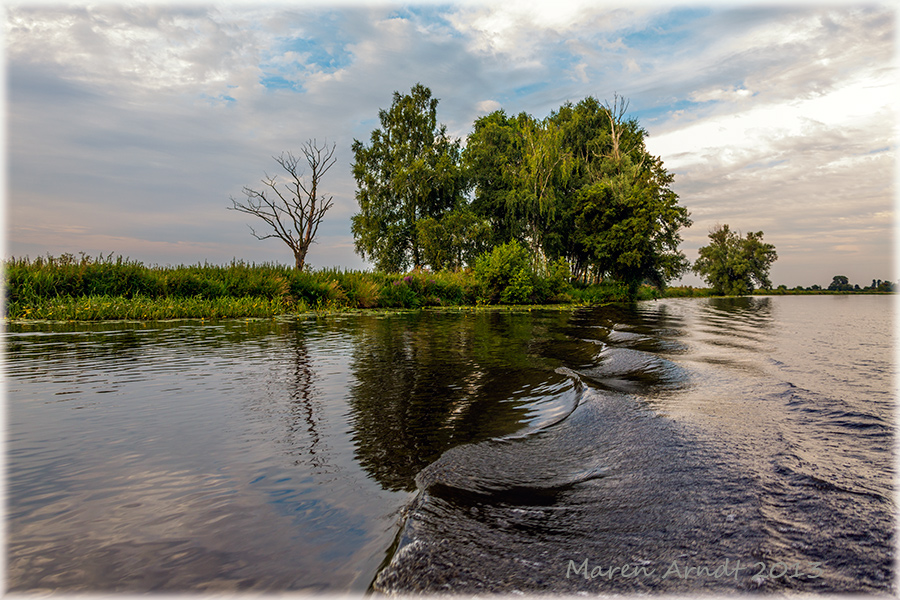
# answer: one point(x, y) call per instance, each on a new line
point(458, 451)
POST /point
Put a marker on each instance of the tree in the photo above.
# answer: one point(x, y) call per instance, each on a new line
point(622, 218)
point(454, 240)
point(410, 171)
point(494, 151)
point(294, 212)
point(541, 179)
point(840, 283)
point(579, 186)
point(731, 264)
point(520, 169)
point(627, 226)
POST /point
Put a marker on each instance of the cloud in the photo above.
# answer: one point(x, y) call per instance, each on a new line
point(138, 122)
point(487, 106)
point(799, 142)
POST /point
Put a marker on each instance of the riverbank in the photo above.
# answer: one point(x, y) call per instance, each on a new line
point(67, 288)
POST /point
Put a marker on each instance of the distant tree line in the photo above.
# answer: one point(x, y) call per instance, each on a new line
point(840, 283)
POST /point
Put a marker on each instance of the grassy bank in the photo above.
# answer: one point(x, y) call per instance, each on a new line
point(83, 288)
point(69, 288)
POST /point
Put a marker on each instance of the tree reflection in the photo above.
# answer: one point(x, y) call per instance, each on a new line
point(303, 409)
point(428, 381)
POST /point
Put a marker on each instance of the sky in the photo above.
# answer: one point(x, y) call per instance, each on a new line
point(129, 126)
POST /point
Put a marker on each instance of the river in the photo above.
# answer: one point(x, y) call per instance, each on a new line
point(673, 446)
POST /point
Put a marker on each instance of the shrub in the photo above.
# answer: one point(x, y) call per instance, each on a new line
point(400, 294)
point(557, 282)
point(362, 293)
point(607, 291)
point(506, 274)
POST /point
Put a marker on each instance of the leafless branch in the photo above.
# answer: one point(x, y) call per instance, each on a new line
point(616, 113)
point(294, 209)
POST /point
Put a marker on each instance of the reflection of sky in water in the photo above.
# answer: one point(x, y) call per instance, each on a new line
point(212, 439)
point(278, 455)
point(268, 448)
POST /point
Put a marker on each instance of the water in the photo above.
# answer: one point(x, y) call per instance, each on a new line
point(749, 440)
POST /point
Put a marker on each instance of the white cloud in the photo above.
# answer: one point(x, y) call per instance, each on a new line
point(772, 118)
point(731, 94)
point(860, 105)
point(487, 106)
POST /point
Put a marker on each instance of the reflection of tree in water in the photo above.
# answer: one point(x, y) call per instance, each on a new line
point(425, 382)
point(304, 410)
point(743, 306)
point(289, 401)
point(740, 318)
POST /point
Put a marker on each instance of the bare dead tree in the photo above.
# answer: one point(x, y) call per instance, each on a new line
point(295, 209)
point(616, 113)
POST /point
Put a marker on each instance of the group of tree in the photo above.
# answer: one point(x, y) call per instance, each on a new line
point(841, 283)
point(577, 188)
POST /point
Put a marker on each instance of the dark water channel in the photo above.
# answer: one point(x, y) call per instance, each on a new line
point(678, 446)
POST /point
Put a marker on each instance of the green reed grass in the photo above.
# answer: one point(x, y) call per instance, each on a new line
point(84, 288)
point(98, 308)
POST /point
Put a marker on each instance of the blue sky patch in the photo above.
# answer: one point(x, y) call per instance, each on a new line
point(671, 30)
point(663, 110)
point(320, 57)
point(276, 82)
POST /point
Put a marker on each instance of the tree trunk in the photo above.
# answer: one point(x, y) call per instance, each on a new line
point(299, 259)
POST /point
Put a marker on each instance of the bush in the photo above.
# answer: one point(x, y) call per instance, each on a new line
point(402, 293)
point(599, 293)
point(505, 274)
point(557, 282)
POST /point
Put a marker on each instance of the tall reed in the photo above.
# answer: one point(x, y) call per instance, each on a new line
point(67, 287)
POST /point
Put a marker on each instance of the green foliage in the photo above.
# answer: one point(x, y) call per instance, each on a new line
point(186, 284)
point(627, 225)
point(601, 293)
point(58, 288)
point(506, 275)
point(686, 292)
point(579, 186)
point(520, 288)
point(402, 293)
point(840, 283)
point(419, 289)
point(65, 288)
point(879, 286)
point(409, 171)
point(96, 308)
point(732, 264)
point(494, 151)
point(454, 240)
point(558, 278)
point(68, 276)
